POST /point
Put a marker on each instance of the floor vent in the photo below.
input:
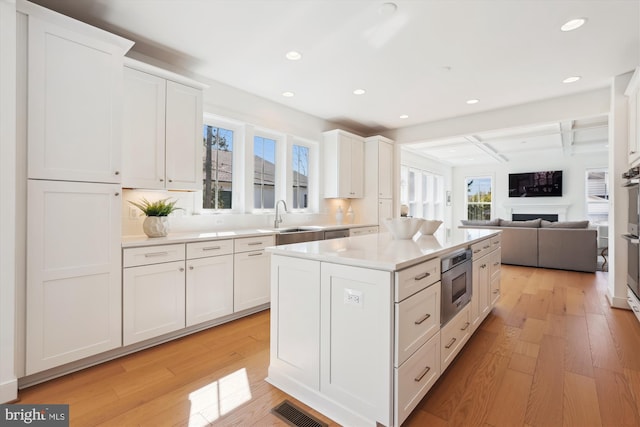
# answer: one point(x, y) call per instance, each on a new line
point(295, 416)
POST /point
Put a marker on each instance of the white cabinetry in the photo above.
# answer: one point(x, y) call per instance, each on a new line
point(251, 285)
point(162, 144)
point(74, 98)
point(485, 278)
point(209, 285)
point(454, 335)
point(343, 165)
point(633, 92)
point(73, 272)
point(377, 203)
point(153, 292)
point(359, 231)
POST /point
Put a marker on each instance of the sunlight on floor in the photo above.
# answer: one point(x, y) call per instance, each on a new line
point(218, 398)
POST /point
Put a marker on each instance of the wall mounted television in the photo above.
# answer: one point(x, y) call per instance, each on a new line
point(535, 184)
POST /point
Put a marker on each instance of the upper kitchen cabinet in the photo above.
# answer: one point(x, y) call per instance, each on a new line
point(343, 165)
point(633, 92)
point(74, 77)
point(162, 144)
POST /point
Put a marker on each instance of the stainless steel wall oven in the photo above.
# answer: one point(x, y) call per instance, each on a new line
point(456, 283)
point(633, 220)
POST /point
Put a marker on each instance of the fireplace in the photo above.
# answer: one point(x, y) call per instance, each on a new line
point(528, 216)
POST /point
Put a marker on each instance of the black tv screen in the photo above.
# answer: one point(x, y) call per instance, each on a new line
point(535, 184)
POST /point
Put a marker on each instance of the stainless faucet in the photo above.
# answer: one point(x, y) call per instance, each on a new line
point(277, 221)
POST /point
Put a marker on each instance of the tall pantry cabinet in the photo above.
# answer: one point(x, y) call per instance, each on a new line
point(72, 97)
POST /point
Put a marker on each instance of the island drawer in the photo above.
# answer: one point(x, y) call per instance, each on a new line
point(496, 242)
point(415, 377)
point(248, 244)
point(415, 278)
point(417, 319)
point(209, 248)
point(481, 248)
point(454, 335)
point(133, 257)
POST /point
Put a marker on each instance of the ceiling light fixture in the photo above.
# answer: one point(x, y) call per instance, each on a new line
point(571, 79)
point(287, 94)
point(573, 24)
point(387, 9)
point(293, 55)
point(472, 101)
point(359, 92)
point(404, 116)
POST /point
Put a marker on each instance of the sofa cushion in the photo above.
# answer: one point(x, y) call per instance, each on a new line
point(565, 224)
point(485, 222)
point(533, 223)
point(567, 249)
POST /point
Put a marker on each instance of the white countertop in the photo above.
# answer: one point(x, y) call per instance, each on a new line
point(380, 251)
point(143, 240)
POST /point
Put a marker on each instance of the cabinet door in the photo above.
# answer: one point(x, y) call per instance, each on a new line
point(480, 291)
point(385, 210)
point(251, 285)
point(153, 301)
point(356, 168)
point(209, 288)
point(73, 272)
point(74, 105)
point(143, 130)
point(385, 170)
point(184, 147)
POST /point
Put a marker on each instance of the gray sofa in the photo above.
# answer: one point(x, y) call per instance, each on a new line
point(537, 243)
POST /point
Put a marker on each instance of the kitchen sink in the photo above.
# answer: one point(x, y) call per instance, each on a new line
point(285, 236)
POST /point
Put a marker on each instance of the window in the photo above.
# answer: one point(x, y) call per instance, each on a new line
point(264, 172)
point(422, 192)
point(218, 168)
point(479, 194)
point(300, 166)
point(597, 189)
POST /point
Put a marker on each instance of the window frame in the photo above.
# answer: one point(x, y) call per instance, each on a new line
point(279, 160)
point(491, 177)
point(312, 175)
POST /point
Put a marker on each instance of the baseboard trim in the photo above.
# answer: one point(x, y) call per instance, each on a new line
point(618, 302)
point(9, 391)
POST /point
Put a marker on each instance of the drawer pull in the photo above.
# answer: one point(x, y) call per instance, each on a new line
point(635, 308)
point(255, 254)
point(486, 247)
point(422, 374)
point(483, 266)
point(496, 263)
point(191, 267)
point(495, 242)
point(476, 251)
point(464, 328)
point(450, 343)
point(154, 254)
point(422, 276)
point(496, 291)
point(212, 248)
point(181, 269)
point(422, 319)
point(254, 244)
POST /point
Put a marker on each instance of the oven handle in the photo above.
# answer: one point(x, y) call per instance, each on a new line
point(634, 240)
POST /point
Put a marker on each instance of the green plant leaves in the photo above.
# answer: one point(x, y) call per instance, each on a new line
point(161, 207)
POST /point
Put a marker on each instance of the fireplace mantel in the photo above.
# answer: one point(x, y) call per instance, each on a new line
point(559, 209)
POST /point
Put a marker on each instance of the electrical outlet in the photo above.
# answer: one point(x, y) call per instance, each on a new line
point(353, 297)
point(133, 212)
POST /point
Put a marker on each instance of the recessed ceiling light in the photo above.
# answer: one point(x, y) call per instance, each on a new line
point(472, 101)
point(571, 79)
point(293, 55)
point(573, 24)
point(404, 116)
point(287, 94)
point(388, 8)
point(359, 92)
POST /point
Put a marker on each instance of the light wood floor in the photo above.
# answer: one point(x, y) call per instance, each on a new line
point(552, 353)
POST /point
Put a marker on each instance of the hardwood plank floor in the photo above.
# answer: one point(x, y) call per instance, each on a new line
point(551, 353)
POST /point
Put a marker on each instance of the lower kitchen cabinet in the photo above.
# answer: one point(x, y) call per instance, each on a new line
point(73, 291)
point(153, 300)
point(209, 288)
point(454, 335)
point(251, 282)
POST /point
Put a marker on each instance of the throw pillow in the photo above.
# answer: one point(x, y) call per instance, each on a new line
point(533, 223)
point(565, 224)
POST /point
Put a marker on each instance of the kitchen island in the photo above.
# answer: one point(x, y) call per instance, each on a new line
point(355, 322)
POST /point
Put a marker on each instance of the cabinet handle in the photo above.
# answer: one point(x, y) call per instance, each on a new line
point(161, 180)
point(191, 267)
point(170, 180)
point(211, 248)
point(486, 247)
point(422, 319)
point(636, 309)
point(476, 251)
point(255, 254)
point(496, 242)
point(254, 244)
point(496, 291)
point(422, 276)
point(422, 374)
point(117, 172)
point(483, 266)
point(153, 254)
point(496, 263)
point(181, 269)
point(464, 328)
point(116, 194)
point(450, 343)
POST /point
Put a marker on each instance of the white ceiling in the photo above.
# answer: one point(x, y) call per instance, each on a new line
point(425, 60)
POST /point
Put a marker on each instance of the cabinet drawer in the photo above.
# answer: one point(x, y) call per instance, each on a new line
point(148, 255)
point(417, 320)
point(247, 244)
point(416, 376)
point(362, 230)
point(210, 248)
point(481, 248)
point(495, 264)
point(496, 242)
point(454, 335)
point(414, 279)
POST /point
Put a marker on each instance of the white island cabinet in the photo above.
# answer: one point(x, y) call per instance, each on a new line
point(355, 324)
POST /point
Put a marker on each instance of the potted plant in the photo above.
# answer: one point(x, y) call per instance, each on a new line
point(156, 223)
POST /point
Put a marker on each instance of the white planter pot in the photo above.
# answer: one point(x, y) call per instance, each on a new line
point(156, 226)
